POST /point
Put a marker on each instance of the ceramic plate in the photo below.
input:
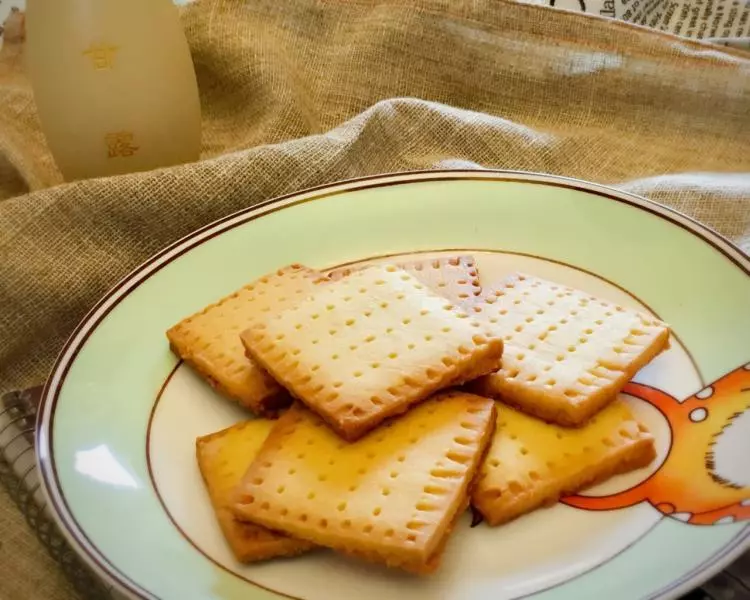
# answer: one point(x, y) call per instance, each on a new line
point(120, 414)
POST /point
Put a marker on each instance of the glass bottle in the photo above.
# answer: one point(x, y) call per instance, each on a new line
point(114, 85)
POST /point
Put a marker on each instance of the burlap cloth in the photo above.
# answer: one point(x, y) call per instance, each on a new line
point(300, 93)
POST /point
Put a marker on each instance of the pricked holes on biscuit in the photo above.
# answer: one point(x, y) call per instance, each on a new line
point(431, 373)
point(443, 473)
point(461, 459)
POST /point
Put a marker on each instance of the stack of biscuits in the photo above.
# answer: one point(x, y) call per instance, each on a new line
point(387, 398)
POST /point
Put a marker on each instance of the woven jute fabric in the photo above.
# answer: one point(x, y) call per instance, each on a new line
point(296, 94)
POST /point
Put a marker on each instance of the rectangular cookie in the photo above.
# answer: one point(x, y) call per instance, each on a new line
point(532, 463)
point(567, 353)
point(209, 341)
point(368, 346)
point(392, 497)
point(223, 458)
point(453, 277)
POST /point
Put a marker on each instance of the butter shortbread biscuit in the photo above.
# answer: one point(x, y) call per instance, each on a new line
point(209, 341)
point(453, 277)
point(532, 463)
point(567, 353)
point(223, 458)
point(392, 497)
point(368, 346)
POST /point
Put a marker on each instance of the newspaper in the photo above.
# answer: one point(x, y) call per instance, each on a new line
point(725, 22)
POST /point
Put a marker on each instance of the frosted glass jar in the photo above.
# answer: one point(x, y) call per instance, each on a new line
point(114, 85)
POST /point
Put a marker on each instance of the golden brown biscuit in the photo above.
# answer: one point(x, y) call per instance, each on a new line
point(453, 277)
point(223, 458)
point(567, 353)
point(209, 340)
point(368, 346)
point(532, 463)
point(392, 497)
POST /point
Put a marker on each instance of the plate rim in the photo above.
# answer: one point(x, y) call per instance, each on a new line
point(49, 484)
